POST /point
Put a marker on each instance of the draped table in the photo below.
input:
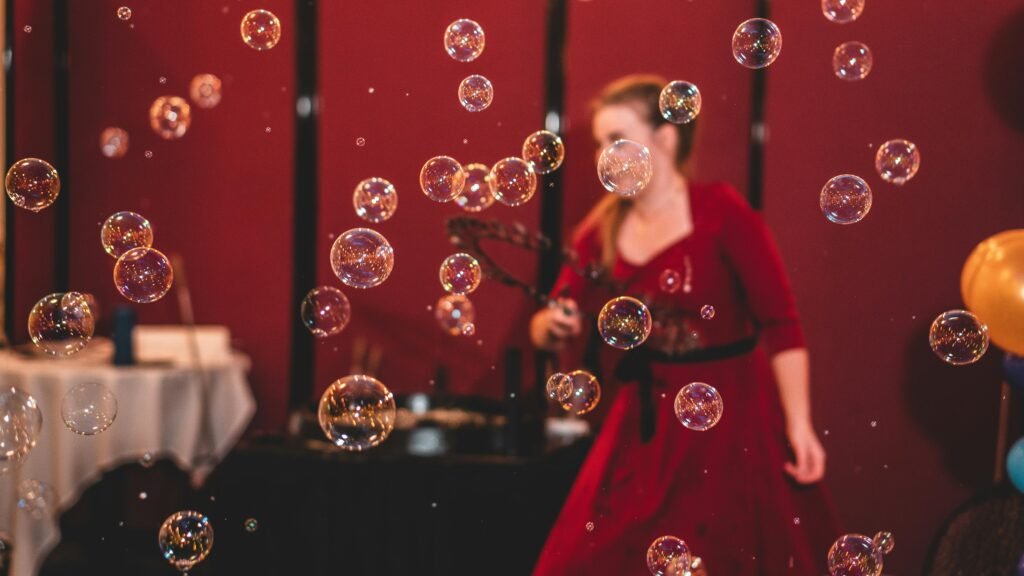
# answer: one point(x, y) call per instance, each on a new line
point(192, 417)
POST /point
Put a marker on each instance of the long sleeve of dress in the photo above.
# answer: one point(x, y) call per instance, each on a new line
point(749, 247)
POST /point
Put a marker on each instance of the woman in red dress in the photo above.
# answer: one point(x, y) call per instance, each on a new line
point(745, 494)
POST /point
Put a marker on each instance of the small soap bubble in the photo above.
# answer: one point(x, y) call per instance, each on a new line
point(558, 387)
point(162, 80)
point(469, 330)
point(88, 408)
point(858, 555)
point(670, 281)
point(679, 102)
point(584, 392)
point(625, 167)
point(624, 322)
point(958, 337)
point(114, 142)
point(515, 181)
point(204, 90)
point(442, 178)
point(170, 117)
point(845, 199)
point(37, 498)
point(698, 406)
point(668, 556)
point(453, 312)
point(21, 421)
point(124, 231)
point(707, 312)
point(852, 61)
point(360, 141)
point(143, 275)
point(756, 43)
point(544, 151)
point(590, 526)
point(28, 29)
point(261, 30)
point(460, 274)
point(185, 539)
point(357, 412)
point(148, 154)
point(375, 200)
point(147, 460)
point(251, 525)
point(325, 311)
point(897, 161)
point(464, 40)
point(124, 13)
point(362, 258)
point(476, 93)
point(32, 184)
point(842, 11)
point(478, 191)
point(61, 324)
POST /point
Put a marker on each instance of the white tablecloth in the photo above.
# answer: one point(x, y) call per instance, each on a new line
point(167, 411)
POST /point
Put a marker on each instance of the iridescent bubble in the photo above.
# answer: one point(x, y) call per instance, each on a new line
point(114, 142)
point(460, 274)
point(670, 281)
point(147, 460)
point(61, 324)
point(698, 406)
point(584, 392)
point(842, 11)
point(170, 117)
point(668, 556)
point(124, 231)
point(205, 90)
point(464, 40)
point(453, 312)
point(958, 337)
point(858, 555)
point(756, 43)
point(625, 167)
point(21, 421)
point(624, 322)
point(362, 258)
point(37, 498)
point(476, 93)
point(325, 311)
point(679, 102)
point(544, 151)
point(590, 526)
point(124, 13)
point(375, 200)
point(515, 181)
point(32, 184)
point(442, 178)
point(261, 30)
point(88, 408)
point(251, 525)
point(469, 329)
point(897, 161)
point(845, 199)
point(357, 412)
point(558, 387)
point(478, 191)
point(707, 311)
point(186, 539)
point(143, 275)
point(852, 61)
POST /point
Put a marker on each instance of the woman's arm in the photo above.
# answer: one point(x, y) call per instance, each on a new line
point(792, 373)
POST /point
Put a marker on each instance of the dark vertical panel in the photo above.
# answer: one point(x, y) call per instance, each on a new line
point(61, 113)
point(758, 127)
point(554, 110)
point(8, 160)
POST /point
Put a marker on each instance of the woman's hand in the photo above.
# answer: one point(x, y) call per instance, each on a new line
point(553, 326)
point(810, 456)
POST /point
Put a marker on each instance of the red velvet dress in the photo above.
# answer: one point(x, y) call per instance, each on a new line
point(723, 491)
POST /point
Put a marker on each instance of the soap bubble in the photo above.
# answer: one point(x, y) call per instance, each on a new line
point(858, 555)
point(958, 337)
point(515, 181)
point(476, 93)
point(453, 313)
point(186, 539)
point(756, 43)
point(707, 312)
point(442, 178)
point(460, 274)
point(842, 11)
point(124, 231)
point(679, 102)
point(37, 498)
point(143, 275)
point(852, 61)
point(61, 324)
point(375, 200)
point(362, 258)
point(251, 525)
point(325, 311)
point(170, 117)
point(113, 142)
point(624, 322)
point(625, 167)
point(357, 412)
point(32, 184)
point(464, 40)
point(897, 161)
point(21, 421)
point(668, 556)
point(88, 408)
point(544, 151)
point(558, 387)
point(205, 90)
point(698, 406)
point(845, 199)
point(478, 191)
point(469, 330)
point(584, 392)
point(147, 460)
point(670, 281)
point(124, 13)
point(261, 30)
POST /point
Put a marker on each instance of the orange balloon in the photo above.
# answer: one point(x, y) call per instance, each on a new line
point(992, 286)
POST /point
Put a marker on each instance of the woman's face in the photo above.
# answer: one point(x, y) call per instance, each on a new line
point(625, 121)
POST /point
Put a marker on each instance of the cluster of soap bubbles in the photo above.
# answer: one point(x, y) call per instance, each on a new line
point(185, 539)
point(577, 392)
point(668, 556)
point(357, 412)
point(21, 421)
point(88, 408)
point(624, 322)
point(464, 41)
point(37, 498)
point(698, 406)
point(958, 337)
point(858, 555)
point(142, 273)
